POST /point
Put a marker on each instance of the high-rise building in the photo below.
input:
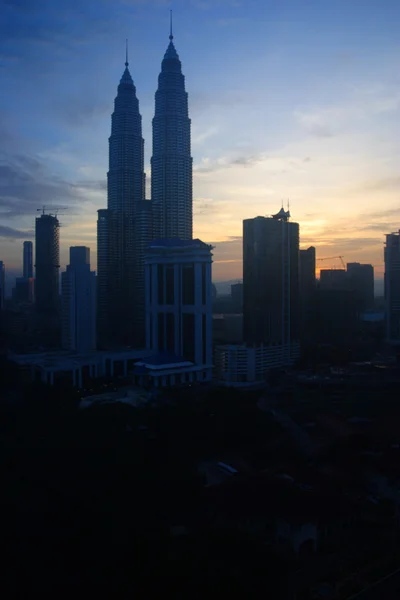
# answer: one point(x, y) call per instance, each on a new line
point(2, 284)
point(307, 291)
point(237, 297)
point(271, 280)
point(361, 281)
point(28, 260)
point(171, 163)
point(78, 302)
point(392, 287)
point(120, 234)
point(179, 301)
point(333, 279)
point(24, 291)
point(47, 264)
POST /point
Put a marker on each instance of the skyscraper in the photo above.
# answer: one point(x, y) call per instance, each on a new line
point(171, 163)
point(270, 280)
point(78, 302)
point(28, 260)
point(2, 284)
point(120, 264)
point(361, 281)
point(47, 243)
point(392, 287)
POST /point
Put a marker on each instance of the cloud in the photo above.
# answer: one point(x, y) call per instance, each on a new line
point(15, 234)
point(314, 123)
point(25, 185)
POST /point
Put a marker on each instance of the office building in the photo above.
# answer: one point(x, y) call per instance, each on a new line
point(78, 302)
point(271, 280)
point(333, 279)
point(120, 237)
point(24, 291)
point(28, 260)
point(237, 297)
point(239, 365)
point(307, 291)
point(171, 162)
point(2, 284)
point(361, 281)
point(47, 264)
point(179, 305)
point(392, 287)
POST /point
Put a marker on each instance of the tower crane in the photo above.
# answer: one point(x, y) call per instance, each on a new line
point(56, 210)
point(333, 258)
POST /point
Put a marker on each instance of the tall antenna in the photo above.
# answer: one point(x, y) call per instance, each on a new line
point(171, 37)
point(126, 54)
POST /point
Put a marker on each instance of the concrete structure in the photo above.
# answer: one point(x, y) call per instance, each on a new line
point(28, 260)
point(78, 302)
point(179, 301)
point(333, 279)
point(72, 369)
point(120, 235)
point(361, 281)
point(102, 275)
point(24, 291)
point(166, 369)
point(307, 291)
point(171, 162)
point(237, 297)
point(2, 284)
point(238, 365)
point(392, 287)
point(47, 264)
point(271, 280)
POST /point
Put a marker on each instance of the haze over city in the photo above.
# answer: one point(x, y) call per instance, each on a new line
point(288, 101)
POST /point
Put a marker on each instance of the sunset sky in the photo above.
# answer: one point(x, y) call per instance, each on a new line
point(289, 99)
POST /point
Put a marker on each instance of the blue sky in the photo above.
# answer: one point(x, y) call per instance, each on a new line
point(288, 99)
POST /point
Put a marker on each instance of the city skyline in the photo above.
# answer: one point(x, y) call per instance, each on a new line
point(286, 103)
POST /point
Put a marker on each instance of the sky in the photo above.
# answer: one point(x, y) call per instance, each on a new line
point(289, 101)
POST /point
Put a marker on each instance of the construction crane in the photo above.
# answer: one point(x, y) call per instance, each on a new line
point(56, 210)
point(334, 258)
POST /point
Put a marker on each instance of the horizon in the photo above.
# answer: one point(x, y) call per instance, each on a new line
point(308, 112)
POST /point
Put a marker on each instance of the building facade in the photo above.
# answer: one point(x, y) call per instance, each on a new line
point(171, 162)
point(47, 264)
point(238, 365)
point(392, 287)
point(361, 281)
point(78, 302)
point(28, 260)
point(179, 301)
point(2, 284)
point(271, 280)
point(120, 244)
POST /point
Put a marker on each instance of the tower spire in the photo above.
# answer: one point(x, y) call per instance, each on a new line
point(171, 37)
point(126, 54)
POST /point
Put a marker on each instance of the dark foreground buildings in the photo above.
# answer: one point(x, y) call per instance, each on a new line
point(47, 264)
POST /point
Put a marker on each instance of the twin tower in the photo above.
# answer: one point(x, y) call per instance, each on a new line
point(131, 222)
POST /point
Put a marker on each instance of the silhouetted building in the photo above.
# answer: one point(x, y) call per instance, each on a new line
point(271, 280)
point(28, 260)
point(392, 287)
point(78, 301)
point(307, 290)
point(237, 297)
point(361, 281)
point(47, 243)
point(179, 302)
point(120, 243)
point(171, 162)
point(24, 291)
point(2, 284)
point(214, 292)
point(335, 316)
point(333, 279)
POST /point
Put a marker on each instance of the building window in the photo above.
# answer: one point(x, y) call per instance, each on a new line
point(203, 283)
point(188, 336)
point(161, 332)
point(160, 283)
point(170, 324)
point(204, 337)
point(188, 284)
point(169, 286)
